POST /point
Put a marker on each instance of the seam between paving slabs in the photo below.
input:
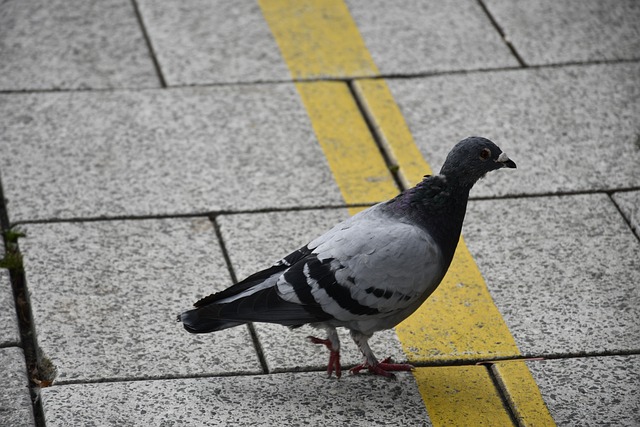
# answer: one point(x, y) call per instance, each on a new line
point(320, 39)
point(395, 76)
point(23, 314)
point(502, 33)
point(625, 218)
point(147, 39)
point(234, 279)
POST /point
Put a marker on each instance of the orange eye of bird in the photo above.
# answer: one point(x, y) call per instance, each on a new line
point(485, 154)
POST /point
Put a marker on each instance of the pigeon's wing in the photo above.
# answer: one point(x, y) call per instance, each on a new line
point(257, 281)
point(372, 266)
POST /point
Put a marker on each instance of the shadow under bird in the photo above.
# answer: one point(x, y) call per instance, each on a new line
point(366, 274)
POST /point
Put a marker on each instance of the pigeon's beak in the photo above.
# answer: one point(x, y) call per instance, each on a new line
point(506, 161)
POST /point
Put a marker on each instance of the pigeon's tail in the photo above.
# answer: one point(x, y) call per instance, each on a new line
point(204, 319)
point(262, 306)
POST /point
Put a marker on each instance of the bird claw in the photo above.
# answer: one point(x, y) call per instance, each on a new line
point(334, 356)
point(383, 368)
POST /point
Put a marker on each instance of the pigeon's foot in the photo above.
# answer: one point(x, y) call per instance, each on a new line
point(334, 356)
point(383, 368)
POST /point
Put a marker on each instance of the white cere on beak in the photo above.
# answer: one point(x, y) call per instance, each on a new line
point(502, 158)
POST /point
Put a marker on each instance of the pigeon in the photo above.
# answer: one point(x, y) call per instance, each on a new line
point(367, 273)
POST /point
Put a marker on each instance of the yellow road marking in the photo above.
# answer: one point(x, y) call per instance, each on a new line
point(461, 396)
point(352, 154)
point(318, 38)
point(394, 132)
point(523, 393)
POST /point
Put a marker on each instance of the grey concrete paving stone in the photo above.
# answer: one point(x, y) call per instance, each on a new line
point(204, 42)
point(160, 152)
point(568, 129)
point(105, 296)
point(420, 36)
point(629, 203)
point(289, 399)
point(15, 402)
point(548, 31)
point(594, 391)
point(563, 271)
point(72, 44)
point(254, 242)
point(9, 332)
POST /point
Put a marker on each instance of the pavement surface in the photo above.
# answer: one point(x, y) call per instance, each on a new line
point(155, 152)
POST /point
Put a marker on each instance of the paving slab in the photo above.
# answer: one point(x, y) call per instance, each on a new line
point(548, 31)
point(62, 44)
point(15, 402)
point(291, 399)
point(205, 42)
point(254, 242)
point(417, 36)
point(593, 391)
point(629, 203)
point(9, 332)
point(105, 296)
point(160, 152)
point(461, 396)
point(568, 129)
point(563, 271)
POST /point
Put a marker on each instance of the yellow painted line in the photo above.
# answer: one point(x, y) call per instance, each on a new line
point(461, 396)
point(353, 156)
point(523, 393)
point(393, 130)
point(318, 38)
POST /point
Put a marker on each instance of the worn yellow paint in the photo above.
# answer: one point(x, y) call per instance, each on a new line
point(393, 130)
point(318, 38)
point(523, 394)
point(461, 396)
point(352, 154)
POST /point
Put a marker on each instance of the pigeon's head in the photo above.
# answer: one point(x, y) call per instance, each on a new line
point(472, 158)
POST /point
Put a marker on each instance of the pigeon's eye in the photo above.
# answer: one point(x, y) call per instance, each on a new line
point(485, 154)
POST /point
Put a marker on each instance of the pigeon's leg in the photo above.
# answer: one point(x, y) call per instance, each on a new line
point(383, 368)
point(333, 344)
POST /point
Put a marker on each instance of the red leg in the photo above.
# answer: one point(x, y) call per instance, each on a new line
point(334, 356)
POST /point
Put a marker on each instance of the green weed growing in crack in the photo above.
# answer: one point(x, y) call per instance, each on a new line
point(12, 235)
point(12, 259)
point(46, 371)
point(42, 371)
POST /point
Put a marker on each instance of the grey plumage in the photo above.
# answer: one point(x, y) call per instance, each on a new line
point(367, 273)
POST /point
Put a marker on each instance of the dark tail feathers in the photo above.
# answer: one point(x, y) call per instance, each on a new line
point(202, 320)
point(262, 306)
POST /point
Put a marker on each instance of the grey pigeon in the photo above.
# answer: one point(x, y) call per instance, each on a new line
point(369, 272)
